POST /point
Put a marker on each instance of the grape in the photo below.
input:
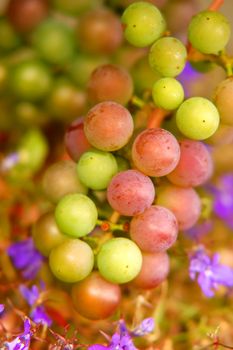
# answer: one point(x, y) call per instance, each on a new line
point(81, 67)
point(143, 76)
point(108, 126)
point(75, 140)
point(110, 82)
point(66, 101)
point(27, 14)
point(71, 261)
point(30, 114)
point(168, 93)
point(119, 260)
point(122, 163)
point(209, 32)
point(168, 56)
point(130, 192)
point(223, 136)
point(155, 152)
point(155, 268)
point(143, 23)
point(76, 215)
point(197, 118)
point(96, 298)
point(8, 37)
point(155, 230)
point(96, 168)
point(195, 166)
point(54, 41)
point(177, 9)
point(30, 80)
point(61, 179)
point(100, 32)
point(183, 202)
point(223, 100)
point(46, 234)
point(74, 7)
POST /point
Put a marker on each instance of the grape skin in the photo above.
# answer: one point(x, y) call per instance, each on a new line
point(224, 102)
point(155, 230)
point(108, 126)
point(195, 166)
point(144, 24)
point(183, 202)
point(168, 56)
point(119, 260)
point(209, 32)
point(155, 268)
point(130, 192)
point(167, 93)
point(155, 152)
point(95, 298)
point(71, 261)
point(197, 118)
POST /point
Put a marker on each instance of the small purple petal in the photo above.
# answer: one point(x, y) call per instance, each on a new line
point(39, 315)
point(30, 295)
point(2, 307)
point(145, 327)
point(97, 347)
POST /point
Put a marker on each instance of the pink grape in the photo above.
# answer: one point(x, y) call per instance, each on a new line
point(155, 152)
point(155, 230)
point(195, 166)
point(130, 192)
point(75, 140)
point(155, 268)
point(183, 202)
point(108, 126)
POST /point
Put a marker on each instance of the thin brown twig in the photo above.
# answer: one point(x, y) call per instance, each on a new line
point(215, 5)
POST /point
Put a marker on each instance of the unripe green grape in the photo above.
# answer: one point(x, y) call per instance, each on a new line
point(46, 234)
point(96, 169)
point(144, 24)
point(209, 32)
point(54, 41)
point(75, 7)
point(76, 215)
point(30, 80)
point(60, 179)
point(119, 260)
point(122, 163)
point(71, 261)
point(168, 56)
point(8, 37)
point(168, 93)
point(197, 118)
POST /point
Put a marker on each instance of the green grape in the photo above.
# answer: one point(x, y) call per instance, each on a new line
point(30, 80)
point(168, 93)
point(54, 41)
point(197, 118)
point(119, 260)
point(143, 76)
point(46, 234)
point(122, 163)
point(168, 56)
point(144, 24)
point(8, 37)
point(209, 32)
point(96, 168)
point(71, 261)
point(75, 7)
point(81, 67)
point(61, 179)
point(76, 215)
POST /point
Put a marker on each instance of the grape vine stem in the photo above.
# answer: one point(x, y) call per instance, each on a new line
point(215, 5)
point(156, 117)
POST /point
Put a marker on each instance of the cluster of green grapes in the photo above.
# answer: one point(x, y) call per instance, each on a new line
point(145, 174)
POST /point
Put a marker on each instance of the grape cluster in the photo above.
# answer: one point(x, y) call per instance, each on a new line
point(145, 174)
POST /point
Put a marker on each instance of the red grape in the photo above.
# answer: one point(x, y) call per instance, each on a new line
point(108, 126)
point(195, 166)
point(155, 152)
point(155, 230)
point(130, 192)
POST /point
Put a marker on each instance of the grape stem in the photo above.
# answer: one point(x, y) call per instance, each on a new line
point(215, 5)
point(109, 226)
point(138, 102)
point(114, 217)
point(156, 117)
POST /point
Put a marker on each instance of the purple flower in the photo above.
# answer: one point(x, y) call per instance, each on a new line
point(22, 342)
point(2, 307)
point(223, 198)
point(37, 313)
point(209, 272)
point(199, 230)
point(26, 258)
point(122, 339)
